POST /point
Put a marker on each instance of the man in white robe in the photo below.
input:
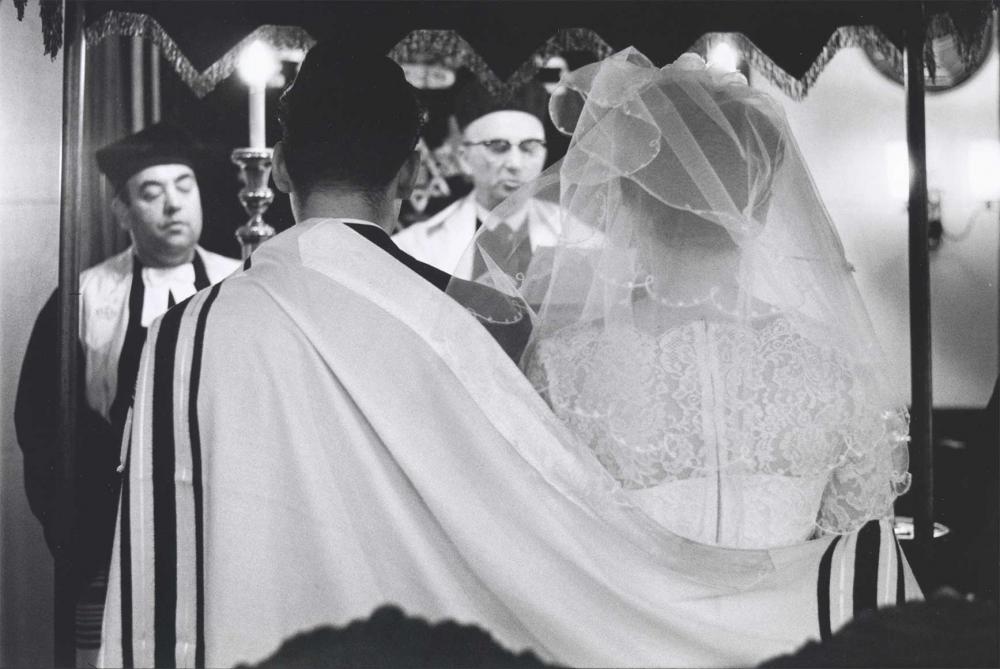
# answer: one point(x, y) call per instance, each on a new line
point(158, 202)
point(326, 432)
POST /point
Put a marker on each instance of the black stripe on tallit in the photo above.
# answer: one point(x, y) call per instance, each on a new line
point(866, 554)
point(823, 590)
point(125, 559)
point(246, 264)
point(164, 496)
point(199, 520)
point(128, 357)
point(900, 580)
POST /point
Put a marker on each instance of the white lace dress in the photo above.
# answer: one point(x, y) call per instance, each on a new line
point(725, 434)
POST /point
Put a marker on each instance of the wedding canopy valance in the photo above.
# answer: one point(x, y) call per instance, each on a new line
point(790, 42)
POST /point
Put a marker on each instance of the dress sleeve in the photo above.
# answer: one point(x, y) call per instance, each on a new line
point(871, 471)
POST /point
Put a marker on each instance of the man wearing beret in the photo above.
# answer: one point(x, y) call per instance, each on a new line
point(503, 148)
point(157, 201)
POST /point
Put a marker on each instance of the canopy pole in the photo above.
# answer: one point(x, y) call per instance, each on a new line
point(921, 446)
point(74, 61)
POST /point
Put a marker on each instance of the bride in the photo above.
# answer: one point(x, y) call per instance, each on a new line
point(697, 325)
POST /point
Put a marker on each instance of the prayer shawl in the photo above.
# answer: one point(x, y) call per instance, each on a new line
point(326, 432)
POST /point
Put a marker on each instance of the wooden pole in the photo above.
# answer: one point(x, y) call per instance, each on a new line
point(921, 446)
point(156, 106)
point(138, 90)
point(74, 61)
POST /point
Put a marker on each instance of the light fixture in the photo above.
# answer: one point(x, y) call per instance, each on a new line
point(983, 178)
point(899, 174)
point(428, 76)
point(724, 55)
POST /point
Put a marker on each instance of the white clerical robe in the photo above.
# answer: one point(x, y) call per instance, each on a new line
point(104, 312)
point(326, 432)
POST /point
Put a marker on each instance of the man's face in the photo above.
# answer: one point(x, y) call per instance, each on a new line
point(501, 152)
point(163, 210)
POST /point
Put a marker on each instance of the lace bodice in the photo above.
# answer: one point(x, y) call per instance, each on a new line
point(726, 434)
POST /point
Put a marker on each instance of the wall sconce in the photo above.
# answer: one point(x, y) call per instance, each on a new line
point(935, 228)
point(983, 177)
point(898, 172)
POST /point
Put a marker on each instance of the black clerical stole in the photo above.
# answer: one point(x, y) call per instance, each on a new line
point(135, 337)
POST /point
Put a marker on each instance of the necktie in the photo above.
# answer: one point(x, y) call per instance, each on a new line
point(510, 249)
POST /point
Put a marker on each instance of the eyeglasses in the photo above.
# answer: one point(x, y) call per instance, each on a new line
point(502, 146)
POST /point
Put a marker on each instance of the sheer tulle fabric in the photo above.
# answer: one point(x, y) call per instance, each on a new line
point(696, 324)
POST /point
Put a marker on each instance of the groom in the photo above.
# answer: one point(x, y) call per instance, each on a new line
point(281, 420)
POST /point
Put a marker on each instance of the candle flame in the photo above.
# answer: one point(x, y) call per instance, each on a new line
point(257, 64)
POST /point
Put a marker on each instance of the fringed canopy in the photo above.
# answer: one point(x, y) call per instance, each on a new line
point(504, 43)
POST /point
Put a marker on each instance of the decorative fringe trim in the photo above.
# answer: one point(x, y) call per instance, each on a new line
point(131, 24)
point(448, 48)
point(842, 38)
point(51, 12)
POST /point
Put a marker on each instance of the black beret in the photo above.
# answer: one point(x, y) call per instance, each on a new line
point(158, 144)
point(473, 101)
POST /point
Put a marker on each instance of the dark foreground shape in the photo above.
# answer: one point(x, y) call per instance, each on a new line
point(942, 632)
point(390, 638)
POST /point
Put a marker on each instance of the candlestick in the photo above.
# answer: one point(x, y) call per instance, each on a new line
point(256, 196)
point(257, 123)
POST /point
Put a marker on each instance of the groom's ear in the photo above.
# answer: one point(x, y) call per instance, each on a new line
point(279, 169)
point(406, 180)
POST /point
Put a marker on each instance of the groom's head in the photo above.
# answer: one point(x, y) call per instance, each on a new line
point(350, 121)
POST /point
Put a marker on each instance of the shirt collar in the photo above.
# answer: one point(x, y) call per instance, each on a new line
point(359, 221)
point(540, 221)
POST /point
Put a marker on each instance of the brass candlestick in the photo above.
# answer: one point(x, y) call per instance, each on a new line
point(256, 197)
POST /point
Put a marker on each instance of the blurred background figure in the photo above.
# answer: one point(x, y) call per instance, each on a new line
point(503, 147)
point(158, 203)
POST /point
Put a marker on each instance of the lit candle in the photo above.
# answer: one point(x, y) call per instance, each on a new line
point(256, 67)
point(257, 123)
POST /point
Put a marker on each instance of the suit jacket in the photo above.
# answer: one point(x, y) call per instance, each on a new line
point(443, 239)
point(512, 337)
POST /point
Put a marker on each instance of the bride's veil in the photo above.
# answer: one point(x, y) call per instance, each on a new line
point(684, 196)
